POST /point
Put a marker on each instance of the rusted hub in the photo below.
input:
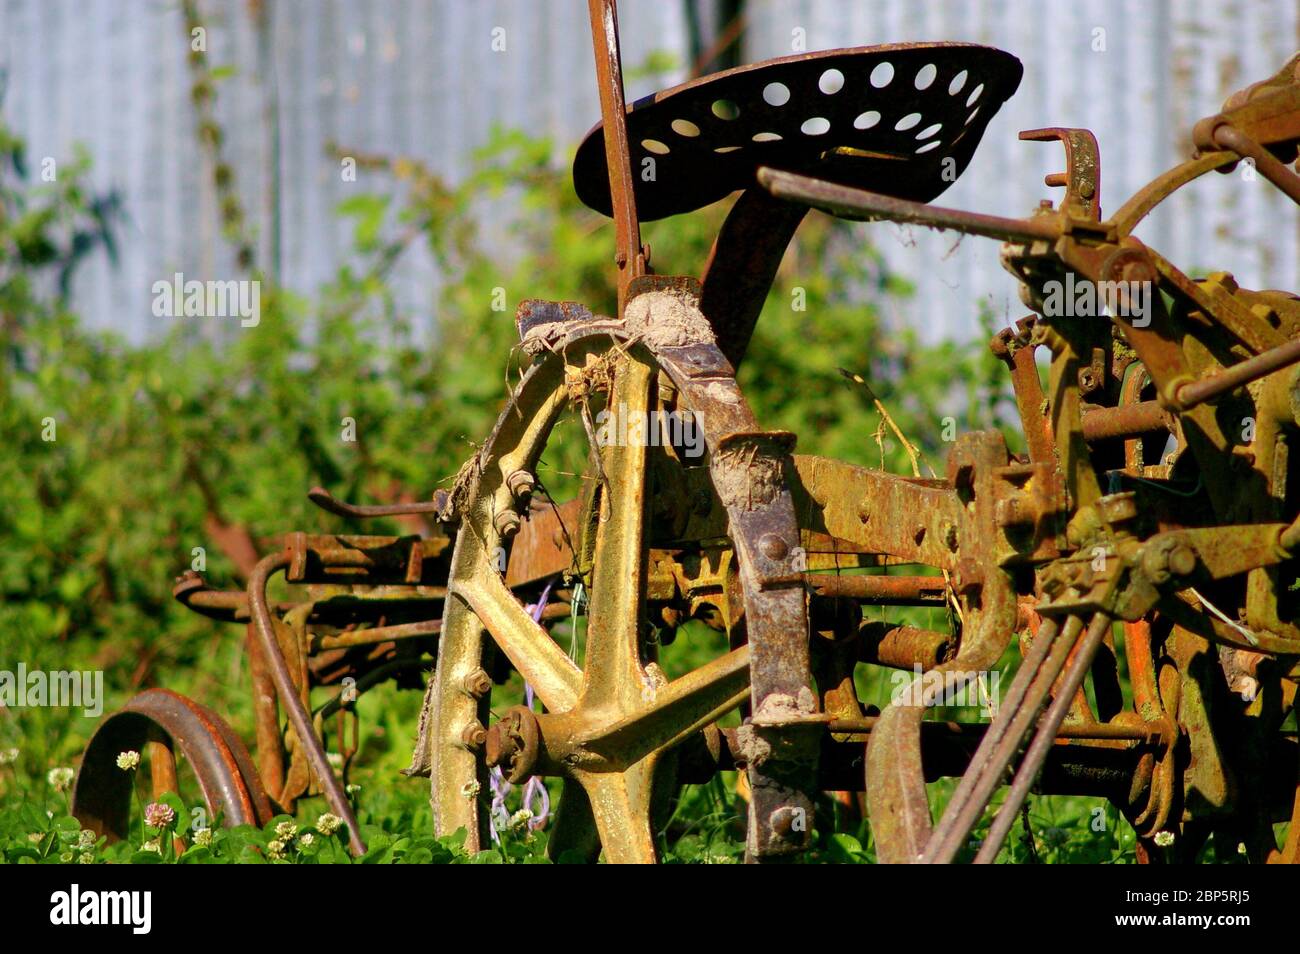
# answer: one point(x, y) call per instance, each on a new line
point(513, 744)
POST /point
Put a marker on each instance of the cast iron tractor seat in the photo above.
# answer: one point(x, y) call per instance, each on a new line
point(900, 119)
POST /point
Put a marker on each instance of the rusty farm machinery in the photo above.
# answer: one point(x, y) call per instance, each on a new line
point(1132, 568)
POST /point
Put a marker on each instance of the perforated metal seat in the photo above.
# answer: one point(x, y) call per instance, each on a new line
point(883, 118)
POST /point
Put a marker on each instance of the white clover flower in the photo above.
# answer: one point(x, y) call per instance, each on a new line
point(8, 756)
point(35, 837)
point(352, 789)
point(203, 837)
point(59, 778)
point(128, 760)
point(275, 849)
point(1241, 847)
point(286, 830)
point(305, 840)
point(86, 858)
point(1164, 838)
point(86, 839)
point(520, 818)
point(470, 789)
point(154, 845)
point(328, 823)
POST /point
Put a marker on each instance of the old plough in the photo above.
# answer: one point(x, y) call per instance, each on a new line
point(1130, 573)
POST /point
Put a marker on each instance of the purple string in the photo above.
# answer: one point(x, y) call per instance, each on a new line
point(535, 796)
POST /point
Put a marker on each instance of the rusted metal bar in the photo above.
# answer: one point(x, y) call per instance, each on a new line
point(903, 647)
point(1266, 164)
point(102, 794)
point(1024, 700)
point(426, 627)
point(330, 504)
point(1106, 731)
point(1243, 372)
point(609, 78)
point(1047, 732)
point(742, 265)
point(884, 590)
point(860, 204)
point(1127, 420)
point(299, 717)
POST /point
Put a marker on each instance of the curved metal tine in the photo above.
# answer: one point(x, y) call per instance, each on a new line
point(1025, 699)
point(1044, 737)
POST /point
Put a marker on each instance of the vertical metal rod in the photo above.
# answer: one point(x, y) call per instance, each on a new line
point(1044, 738)
point(1025, 699)
point(299, 717)
point(618, 155)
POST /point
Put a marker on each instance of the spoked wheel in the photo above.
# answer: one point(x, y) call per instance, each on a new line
point(157, 723)
point(610, 727)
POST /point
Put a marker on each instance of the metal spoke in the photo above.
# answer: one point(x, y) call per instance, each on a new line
point(574, 830)
point(678, 710)
point(458, 775)
point(612, 674)
point(527, 644)
point(621, 805)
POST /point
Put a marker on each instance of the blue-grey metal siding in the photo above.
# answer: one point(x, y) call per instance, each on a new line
point(419, 78)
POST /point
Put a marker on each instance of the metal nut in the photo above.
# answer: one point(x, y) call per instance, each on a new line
point(1182, 559)
point(507, 523)
point(476, 683)
point(521, 484)
point(473, 735)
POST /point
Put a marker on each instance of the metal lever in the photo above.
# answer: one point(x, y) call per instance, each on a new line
point(1082, 175)
point(331, 504)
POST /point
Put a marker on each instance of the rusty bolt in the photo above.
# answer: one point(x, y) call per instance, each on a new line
point(473, 735)
point(1166, 558)
point(521, 484)
point(783, 823)
point(773, 547)
point(1182, 559)
point(507, 523)
point(476, 683)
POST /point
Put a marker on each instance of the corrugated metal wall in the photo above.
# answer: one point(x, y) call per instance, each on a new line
point(420, 78)
point(388, 77)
